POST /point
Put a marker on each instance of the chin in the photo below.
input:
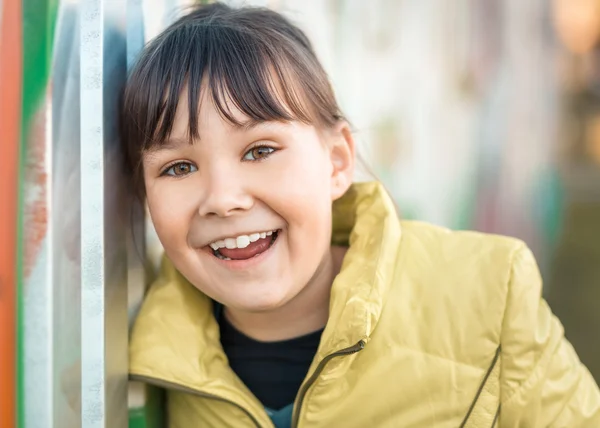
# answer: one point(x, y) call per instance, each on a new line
point(266, 302)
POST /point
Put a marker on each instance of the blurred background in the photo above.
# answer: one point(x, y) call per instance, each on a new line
point(476, 114)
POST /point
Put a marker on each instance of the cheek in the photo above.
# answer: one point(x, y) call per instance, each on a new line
point(304, 195)
point(307, 183)
point(304, 174)
point(170, 212)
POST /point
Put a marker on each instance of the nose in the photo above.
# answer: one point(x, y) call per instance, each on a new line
point(224, 195)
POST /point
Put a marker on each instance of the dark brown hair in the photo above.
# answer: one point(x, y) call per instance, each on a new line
point(252, 58)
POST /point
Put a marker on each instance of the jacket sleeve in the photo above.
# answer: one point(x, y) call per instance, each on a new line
point(543, 383)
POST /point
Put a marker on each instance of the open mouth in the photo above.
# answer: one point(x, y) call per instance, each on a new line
point(244, 247)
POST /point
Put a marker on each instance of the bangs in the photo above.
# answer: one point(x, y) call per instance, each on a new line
point(238, 69)
point(249, 60)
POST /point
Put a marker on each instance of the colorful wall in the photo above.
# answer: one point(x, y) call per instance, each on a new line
point(66, 263)
point(10, 103)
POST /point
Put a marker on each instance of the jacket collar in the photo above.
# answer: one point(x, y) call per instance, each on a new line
point(176, 337)
point(364, 219)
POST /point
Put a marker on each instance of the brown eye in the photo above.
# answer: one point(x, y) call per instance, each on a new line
point(258, 153)
point(180, 169)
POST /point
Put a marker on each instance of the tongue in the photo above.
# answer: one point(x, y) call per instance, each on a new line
point(251, 250)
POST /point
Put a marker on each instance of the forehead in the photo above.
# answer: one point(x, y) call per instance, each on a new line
point(210, 110)
point(206, 103)
point(210, 122)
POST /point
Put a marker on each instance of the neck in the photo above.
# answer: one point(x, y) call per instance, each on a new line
point(307, 312)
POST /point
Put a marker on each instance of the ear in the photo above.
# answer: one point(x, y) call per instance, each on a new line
point(342, 159)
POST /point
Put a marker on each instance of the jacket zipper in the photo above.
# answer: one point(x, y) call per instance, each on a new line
point(304, 389)
point(177, 387)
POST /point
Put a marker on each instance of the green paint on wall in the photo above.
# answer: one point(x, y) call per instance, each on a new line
point(152, 414)
point(39, 21)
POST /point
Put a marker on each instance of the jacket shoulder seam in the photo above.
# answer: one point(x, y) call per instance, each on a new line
point(518, 249)
point(481, 386)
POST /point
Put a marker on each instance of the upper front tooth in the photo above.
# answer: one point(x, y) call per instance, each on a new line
point(243, 241)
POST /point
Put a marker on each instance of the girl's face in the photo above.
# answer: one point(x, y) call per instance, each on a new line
point(232, 188)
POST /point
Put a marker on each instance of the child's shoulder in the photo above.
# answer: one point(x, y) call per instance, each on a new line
point(434, 239)
point(461, 266)
point(457, 284)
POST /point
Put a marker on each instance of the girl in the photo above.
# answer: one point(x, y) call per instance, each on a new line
point(290, 296)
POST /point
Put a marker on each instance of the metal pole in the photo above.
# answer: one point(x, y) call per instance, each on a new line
point(103, 246)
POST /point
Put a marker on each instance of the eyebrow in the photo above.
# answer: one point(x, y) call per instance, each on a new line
point(252, 124)
point(247, 126)
point(168, 145)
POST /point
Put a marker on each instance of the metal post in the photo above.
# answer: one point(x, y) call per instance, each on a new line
point(103, 246)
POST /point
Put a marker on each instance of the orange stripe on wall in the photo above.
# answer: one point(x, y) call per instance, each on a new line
point(10, 106)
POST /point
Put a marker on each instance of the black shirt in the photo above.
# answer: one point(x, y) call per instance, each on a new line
point(273, 371)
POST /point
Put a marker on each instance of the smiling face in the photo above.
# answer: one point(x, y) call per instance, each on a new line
point(244, 211)
point(266, 189)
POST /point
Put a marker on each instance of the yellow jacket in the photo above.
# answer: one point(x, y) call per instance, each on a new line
point(427, 328)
